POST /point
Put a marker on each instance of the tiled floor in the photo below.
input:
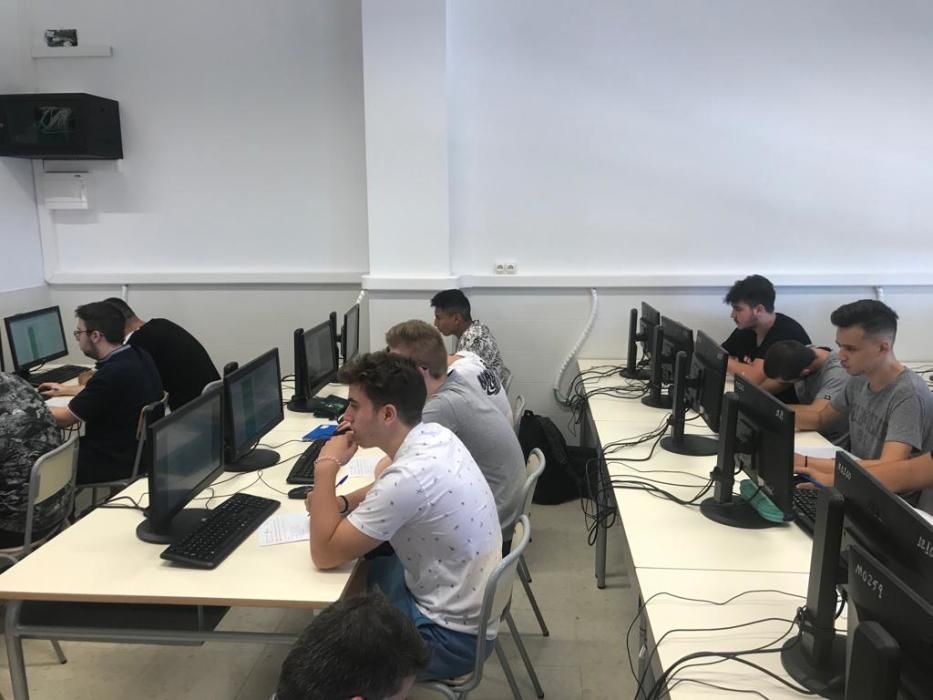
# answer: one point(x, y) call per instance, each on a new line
point(582, 659)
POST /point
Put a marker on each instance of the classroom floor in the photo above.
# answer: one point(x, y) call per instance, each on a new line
point(582, 659)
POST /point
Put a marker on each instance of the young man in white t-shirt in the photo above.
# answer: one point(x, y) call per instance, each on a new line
point(431, 503)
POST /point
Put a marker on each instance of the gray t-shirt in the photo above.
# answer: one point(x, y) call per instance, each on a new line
point(471, 366)
point(459, 405)
point(830, 380)
point(900, 412)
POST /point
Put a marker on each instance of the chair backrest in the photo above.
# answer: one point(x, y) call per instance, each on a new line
point(518, 408)
point(149, 414)
point(498, 595)
point(51, 472)
point(534, 468)
point(210, 385)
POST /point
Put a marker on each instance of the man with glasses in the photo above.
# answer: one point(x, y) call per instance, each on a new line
point(110, 403)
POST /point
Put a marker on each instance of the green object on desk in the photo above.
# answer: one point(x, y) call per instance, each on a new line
point(763, 505)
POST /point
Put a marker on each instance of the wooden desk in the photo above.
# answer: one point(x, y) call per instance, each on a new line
point(100, 560)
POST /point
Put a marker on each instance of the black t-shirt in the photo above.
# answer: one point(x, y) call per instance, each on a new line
point(183, 363)
point(743, 344)
point(109, 406)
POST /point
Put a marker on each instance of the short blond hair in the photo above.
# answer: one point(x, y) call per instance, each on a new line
point(422, 342)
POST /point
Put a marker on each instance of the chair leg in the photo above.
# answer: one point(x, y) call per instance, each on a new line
point(524, 654)
point(62, 659)
point(507, 669)
point(534, 607)
point(523, 568)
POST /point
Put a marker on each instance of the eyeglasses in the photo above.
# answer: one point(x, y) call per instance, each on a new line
point(77, 333)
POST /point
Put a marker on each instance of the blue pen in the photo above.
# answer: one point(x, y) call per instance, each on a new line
point(345, 477)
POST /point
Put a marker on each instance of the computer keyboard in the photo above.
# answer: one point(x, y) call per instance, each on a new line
point(805, 508)
point(56, 374)
point(224, 529)
point(303, 470)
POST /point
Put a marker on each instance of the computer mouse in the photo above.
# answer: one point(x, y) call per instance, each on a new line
point(300, 491)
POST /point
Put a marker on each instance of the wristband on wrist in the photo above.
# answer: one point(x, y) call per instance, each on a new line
point(327, 459)
point(806, 461)
point(346, 505)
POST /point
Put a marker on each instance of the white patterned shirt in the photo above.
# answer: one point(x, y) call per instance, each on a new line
point(479, 339)
point(433, 505)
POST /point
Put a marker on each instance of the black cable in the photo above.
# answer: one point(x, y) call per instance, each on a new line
point(112, 503)
point(727, 601)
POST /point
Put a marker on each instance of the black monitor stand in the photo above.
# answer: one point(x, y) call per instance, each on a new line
point(677, 442)
point(254, 460)
point(656, 398)
point(724, 506)
point(184, 522)
point(816, 657)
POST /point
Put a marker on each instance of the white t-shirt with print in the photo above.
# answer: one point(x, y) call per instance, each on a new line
point(433, 505)
point(474, 369)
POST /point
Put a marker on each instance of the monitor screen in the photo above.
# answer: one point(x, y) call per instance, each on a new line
point(650, 319)
point(253, 402)
point(709, 369)
point(187, 454)
point(677, 338)
point(36, 337)
point(320, 357)
point(350, 338)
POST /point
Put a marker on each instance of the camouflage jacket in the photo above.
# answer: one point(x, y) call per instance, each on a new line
point(27, 431)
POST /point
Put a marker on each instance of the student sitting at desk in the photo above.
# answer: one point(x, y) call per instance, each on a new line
point(358, 648)
point(27, 431)
point(758, 327)
point(471, 366)
point(465, 408)
point(183, 363)
point(889, 407)
point(817, 375)
point(431, 504)
point(110, 403)
point(452, 317)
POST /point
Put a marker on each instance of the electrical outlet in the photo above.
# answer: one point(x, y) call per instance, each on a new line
point(500, 268)
point(509, 267)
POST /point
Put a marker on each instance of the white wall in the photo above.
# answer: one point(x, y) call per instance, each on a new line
point(243, 138)
point(608, 137)
point(20, 253)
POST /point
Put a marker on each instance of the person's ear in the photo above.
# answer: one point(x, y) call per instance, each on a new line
point(389, 414)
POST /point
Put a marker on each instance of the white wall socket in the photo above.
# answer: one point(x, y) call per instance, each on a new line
point(506, 268)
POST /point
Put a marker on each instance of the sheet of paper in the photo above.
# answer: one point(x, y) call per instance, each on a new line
point(59, 401)
point(362, 465)
point(279, 529)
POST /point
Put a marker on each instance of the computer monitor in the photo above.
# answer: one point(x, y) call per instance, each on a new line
point(756, 437)
point(315, 366)
point(350, 334)
point(187, 455)
point(669, 339)
point(862, 515)
point(640, 333)
point(701, 390)
point(35, 337)
point(252, 407)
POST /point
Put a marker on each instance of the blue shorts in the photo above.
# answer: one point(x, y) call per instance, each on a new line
point(452, 653)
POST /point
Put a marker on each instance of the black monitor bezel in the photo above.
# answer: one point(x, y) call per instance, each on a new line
point(160, 522)
point(885, 523)
point(353, 311)
point(650, 319)
point(677, 338)
point(703, 394)
point(233, 451)
point(25, 367)
point(314, 384)
point(764, 410)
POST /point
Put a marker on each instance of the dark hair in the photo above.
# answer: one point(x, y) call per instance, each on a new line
point(787, 359)
point(452, 301)
point(875, 318)
point(358, 646)
point(121, 306)
point(422, 342)
point(100, 316)
point(389, 379)
point(753, 290)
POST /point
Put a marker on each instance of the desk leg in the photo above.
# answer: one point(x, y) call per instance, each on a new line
point(602, 531)
point(14, 651)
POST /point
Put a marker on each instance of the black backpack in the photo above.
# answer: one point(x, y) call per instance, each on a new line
point(565, 466)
